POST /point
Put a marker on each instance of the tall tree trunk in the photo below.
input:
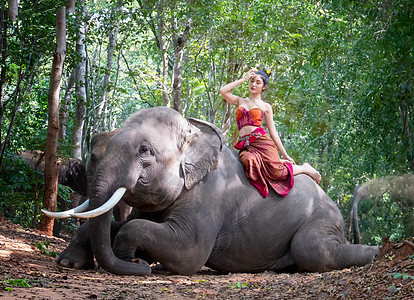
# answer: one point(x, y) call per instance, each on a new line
point(163, 47)
point(51, 163)
point(13, 9)
point(80, 88)
point(325, 159)
point(70, 7)
point(3, 46)
point(64, 109)
point(179, 44)
point(70, 82)
point(164, 79)
point(102, 107)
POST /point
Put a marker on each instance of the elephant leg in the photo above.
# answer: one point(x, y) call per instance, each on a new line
point(178, 251)
point(318, 252)
point(121, 211)
point(124, 210)
point(79, 253)
point(283, 263)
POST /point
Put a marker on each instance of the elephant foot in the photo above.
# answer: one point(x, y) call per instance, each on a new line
point(157, 267)
point(154, 267)
point(76, 258)
point(139, 261)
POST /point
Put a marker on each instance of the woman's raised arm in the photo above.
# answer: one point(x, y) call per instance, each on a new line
point(227, 90)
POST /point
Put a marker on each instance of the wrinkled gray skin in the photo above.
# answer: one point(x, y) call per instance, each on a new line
point(98, 147)
point(201, 210)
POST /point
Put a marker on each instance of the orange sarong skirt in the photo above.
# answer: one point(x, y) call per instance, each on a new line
point(262, 166)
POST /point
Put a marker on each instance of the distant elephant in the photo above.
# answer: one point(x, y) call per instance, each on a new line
point(72, 173)
point(198, 208)
point(34, 159)
point(97, 152)
point(401, 190)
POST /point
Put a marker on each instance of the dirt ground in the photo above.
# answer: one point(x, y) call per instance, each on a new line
point(27, 272)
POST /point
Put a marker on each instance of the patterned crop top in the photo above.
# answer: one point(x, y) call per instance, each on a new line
point(246, 117)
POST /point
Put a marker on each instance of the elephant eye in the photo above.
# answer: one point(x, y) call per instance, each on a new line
point(143, 149)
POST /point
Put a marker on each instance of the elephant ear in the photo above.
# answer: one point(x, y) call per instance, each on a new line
point(202, 153)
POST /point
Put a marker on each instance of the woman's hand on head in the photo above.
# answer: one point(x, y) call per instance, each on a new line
point(249, 74)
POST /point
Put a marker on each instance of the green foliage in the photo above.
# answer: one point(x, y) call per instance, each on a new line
point(21, 190)
point(401, 275)
point(18, 187)
point(44, 248)
point(380, 218)
point(15, 283)
point(33, 115)
point(237, 285)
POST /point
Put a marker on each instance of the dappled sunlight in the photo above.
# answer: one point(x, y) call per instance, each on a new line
point(22, 262)
point(10, 246)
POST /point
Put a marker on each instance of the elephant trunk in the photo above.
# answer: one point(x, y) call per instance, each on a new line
point(102, 249)
point(100, 226)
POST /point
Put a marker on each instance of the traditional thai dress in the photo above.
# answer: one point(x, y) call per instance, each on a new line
point(259, 156)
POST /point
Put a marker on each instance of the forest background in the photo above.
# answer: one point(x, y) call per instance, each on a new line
point(341, 86)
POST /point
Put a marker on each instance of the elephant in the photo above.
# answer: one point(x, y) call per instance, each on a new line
point(198, 209)
point(400, 189)
point(97, 152)
point(72, 173)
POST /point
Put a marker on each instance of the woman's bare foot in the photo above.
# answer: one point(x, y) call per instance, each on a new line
point(312, 172)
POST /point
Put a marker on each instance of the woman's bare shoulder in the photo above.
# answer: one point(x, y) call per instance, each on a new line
point(267, 107)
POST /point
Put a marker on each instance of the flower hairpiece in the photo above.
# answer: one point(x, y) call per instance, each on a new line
point(268, 72)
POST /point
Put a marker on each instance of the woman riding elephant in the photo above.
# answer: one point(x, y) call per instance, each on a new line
point(258, 153)
point(197, 208)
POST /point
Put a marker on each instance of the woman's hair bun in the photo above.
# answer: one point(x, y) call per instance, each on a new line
point(265, 75)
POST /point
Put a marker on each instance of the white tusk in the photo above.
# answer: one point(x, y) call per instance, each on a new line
point(107, 206)
point(67, 213)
